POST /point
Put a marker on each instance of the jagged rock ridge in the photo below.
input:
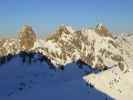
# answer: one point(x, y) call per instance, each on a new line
point(97, 47)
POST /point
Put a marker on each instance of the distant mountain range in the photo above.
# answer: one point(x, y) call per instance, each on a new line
point(96, 47)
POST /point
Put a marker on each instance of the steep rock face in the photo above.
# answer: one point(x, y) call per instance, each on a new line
point(99, 51)
point(27, 38)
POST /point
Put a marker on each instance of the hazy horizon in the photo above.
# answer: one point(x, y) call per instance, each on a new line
point(46, 15)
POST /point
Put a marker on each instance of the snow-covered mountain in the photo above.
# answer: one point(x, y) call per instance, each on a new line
point(36, 68)
point(96, 47)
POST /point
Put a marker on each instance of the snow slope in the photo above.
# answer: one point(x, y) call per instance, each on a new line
point(113, 82)
point(36, 81)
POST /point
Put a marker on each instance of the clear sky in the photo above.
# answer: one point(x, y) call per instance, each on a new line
point(46, 15)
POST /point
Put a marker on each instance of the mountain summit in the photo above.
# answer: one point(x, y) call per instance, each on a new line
point(27, 37)
point(102, 30)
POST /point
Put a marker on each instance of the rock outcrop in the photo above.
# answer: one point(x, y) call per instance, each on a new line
point(102, 30)
point(27, 38)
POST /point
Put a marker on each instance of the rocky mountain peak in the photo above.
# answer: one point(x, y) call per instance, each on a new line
point(27, 37)
point(102, 30)
point(65, 29)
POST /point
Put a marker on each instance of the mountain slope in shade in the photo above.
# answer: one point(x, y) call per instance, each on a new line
point(37, 78)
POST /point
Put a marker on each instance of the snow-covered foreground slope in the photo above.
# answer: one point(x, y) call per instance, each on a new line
point(113, 82)
point(37, 80)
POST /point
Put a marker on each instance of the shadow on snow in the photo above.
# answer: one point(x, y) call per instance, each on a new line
point(62, 83)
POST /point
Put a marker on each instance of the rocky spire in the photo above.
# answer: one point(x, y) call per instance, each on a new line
point(27, 38)
point(102, 30)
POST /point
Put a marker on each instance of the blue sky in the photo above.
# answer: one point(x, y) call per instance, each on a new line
point(46, 15)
